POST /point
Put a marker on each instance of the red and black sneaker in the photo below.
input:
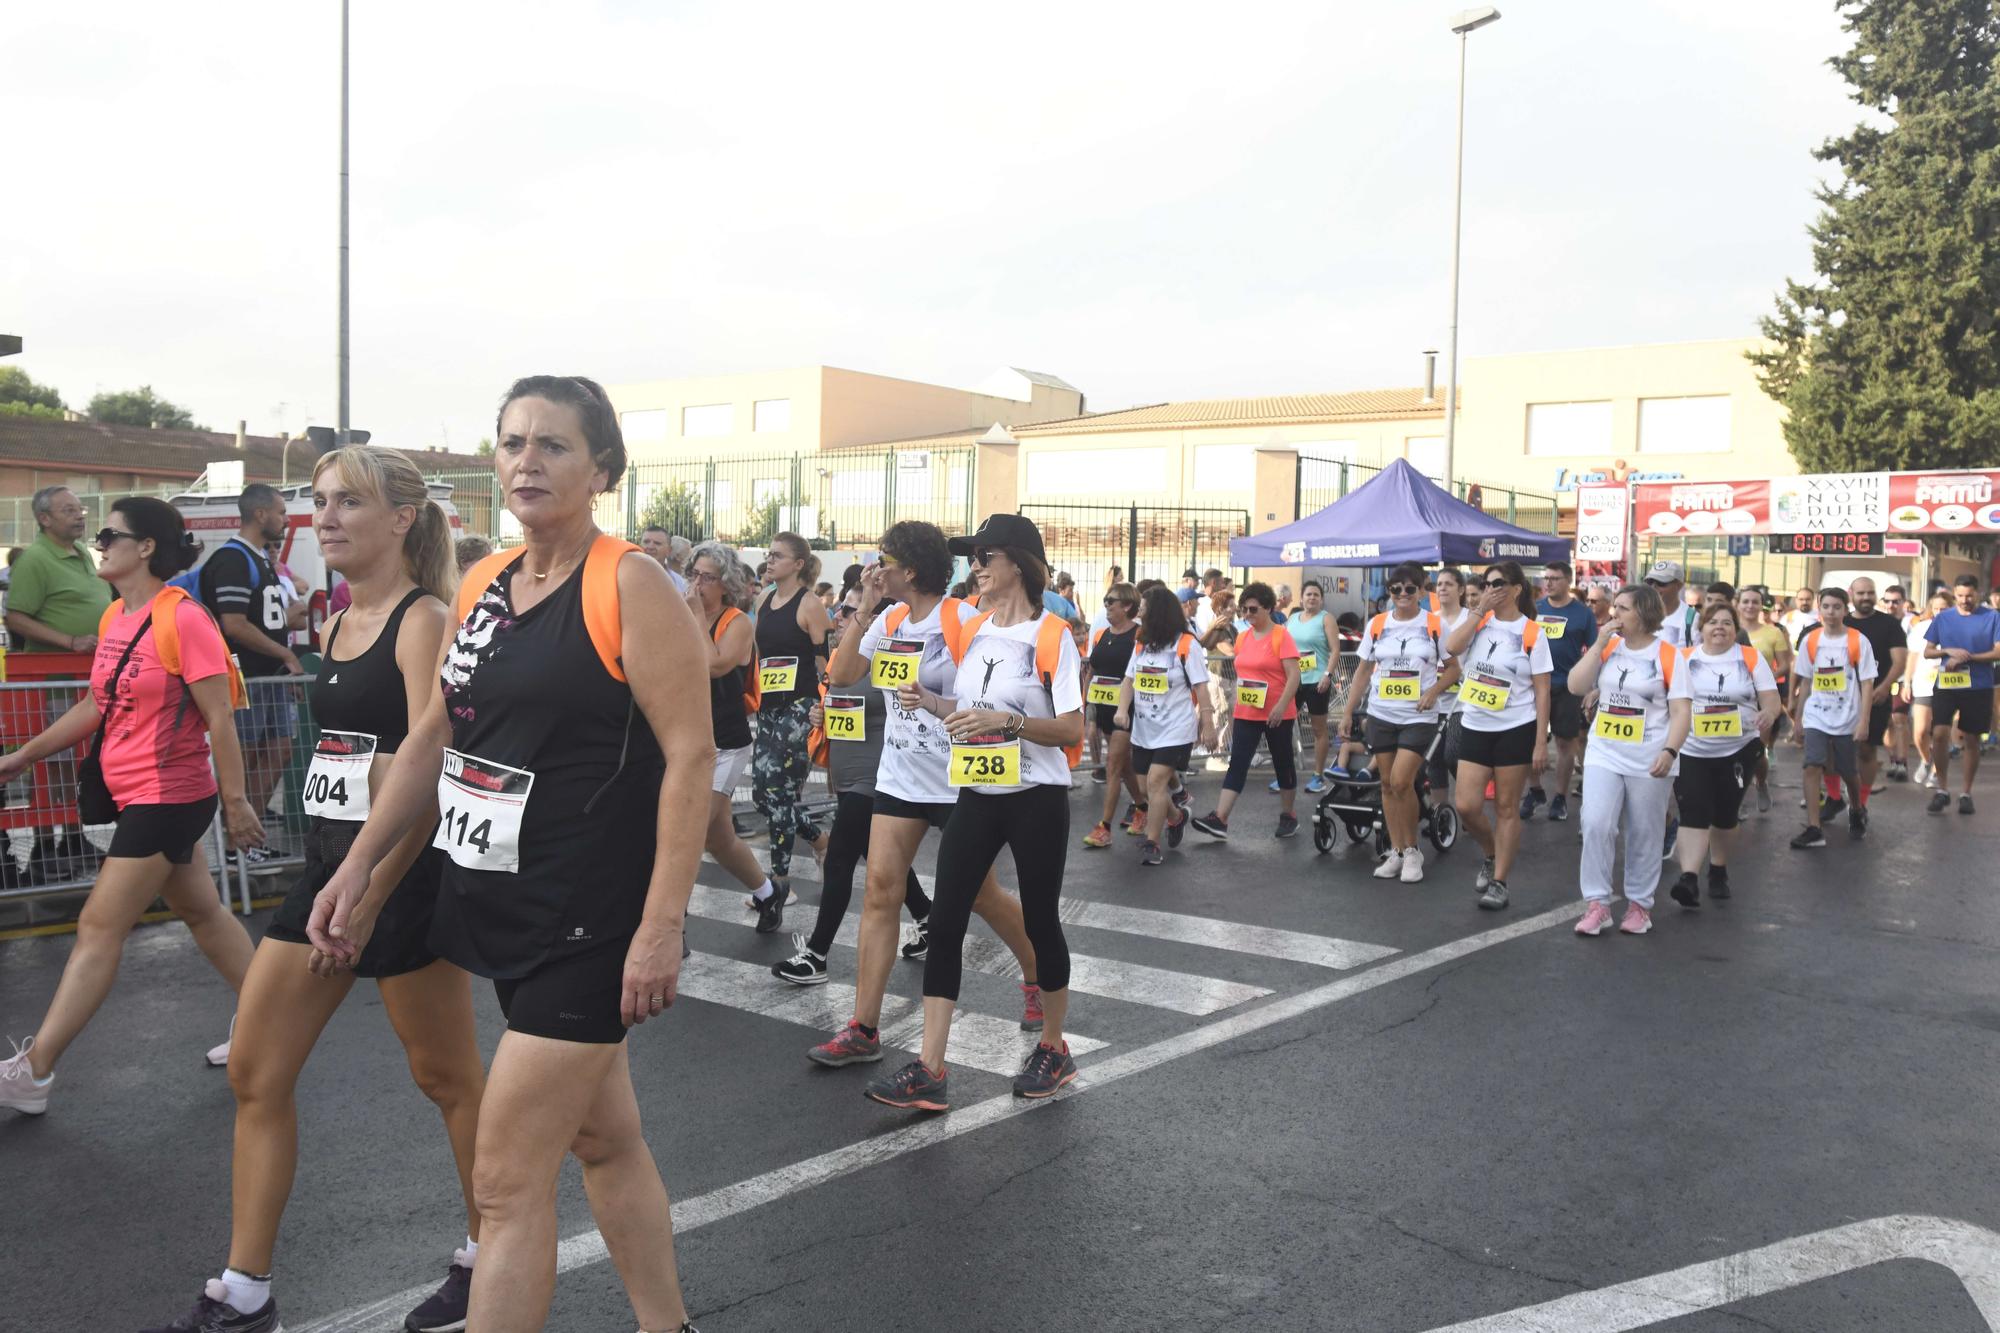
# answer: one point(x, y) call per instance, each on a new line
point(912, 1088)
point(852, 1045)
point(1047, 1070)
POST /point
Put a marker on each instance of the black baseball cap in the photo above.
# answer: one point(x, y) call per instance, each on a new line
point(1015, 530)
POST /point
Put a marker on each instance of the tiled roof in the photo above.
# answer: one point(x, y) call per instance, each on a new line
point(1287, 409)
point(93, 446)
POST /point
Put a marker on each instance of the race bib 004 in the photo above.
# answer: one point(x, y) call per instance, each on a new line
point(480, 804)
point(986, 763)
point(336, 785)
point(845, 717)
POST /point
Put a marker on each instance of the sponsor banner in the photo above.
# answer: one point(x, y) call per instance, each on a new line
point(1831, 502)
point(1944, 502)
point(1702, 508)
point(1600, 522)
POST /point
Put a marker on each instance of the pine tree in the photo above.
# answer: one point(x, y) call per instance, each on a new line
point(1890, 358)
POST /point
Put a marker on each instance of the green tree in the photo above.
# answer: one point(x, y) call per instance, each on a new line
point(19, 388)
point(676, 508)
point(485, 449)
point(765, 522)
point(139, 407)
point(1888, 358)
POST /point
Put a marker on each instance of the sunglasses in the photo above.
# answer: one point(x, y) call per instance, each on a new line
point(1398, 589)
point(1495, 583)
point(107, 536)
point(889, 562)
point(1250, 608)
point(984, 555)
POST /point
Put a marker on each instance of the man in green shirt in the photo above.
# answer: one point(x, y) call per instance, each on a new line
point(55, 599)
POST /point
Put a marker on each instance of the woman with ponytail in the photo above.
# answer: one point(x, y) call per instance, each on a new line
point(378, 528)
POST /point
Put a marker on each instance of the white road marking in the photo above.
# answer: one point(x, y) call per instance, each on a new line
point(978, 1041)
point(1973, 1253)
point(1264, 941)
point(1182, 992)
point(704, 1209)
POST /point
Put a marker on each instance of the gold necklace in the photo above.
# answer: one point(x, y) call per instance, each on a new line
point(542, 575)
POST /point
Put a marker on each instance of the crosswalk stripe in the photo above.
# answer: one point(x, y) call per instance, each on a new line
point(978, 1041)
point(1181, 992)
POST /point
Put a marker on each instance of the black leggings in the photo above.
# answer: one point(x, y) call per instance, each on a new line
point(1034, 822)
point(846, 845)
point(1243, 738)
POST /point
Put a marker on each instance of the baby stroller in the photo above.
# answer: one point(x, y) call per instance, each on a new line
point(1355, 805)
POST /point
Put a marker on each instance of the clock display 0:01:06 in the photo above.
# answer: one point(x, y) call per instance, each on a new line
point(1826, 543)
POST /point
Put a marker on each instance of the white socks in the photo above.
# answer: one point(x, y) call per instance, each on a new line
point(247, 1294)
point(468, 1256)
point(764, 890)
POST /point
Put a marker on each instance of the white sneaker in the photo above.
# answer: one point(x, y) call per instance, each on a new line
point(1392, 865)
point(1413, 866)
point(18, 1089)
point(218, 1057)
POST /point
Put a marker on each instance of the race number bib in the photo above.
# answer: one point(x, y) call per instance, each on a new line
point(778, 675)
point(1830, 682)
point(1149, 680)
point(1553, 626)
point(1104, 690)
point(479, 812)
point(1308, 663)
point(896, 664)
point(1718, 722)
point(1484, 694)
point(1398, 689)
point(986, 763)
point(1251, 693)
point(1954, 680)
point(1629, 728)
point(336, 785)
point(845, 717)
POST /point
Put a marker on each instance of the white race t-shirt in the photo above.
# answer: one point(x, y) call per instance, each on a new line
point(1679, 627)
point(1833, 710)
point(1498, 670)
point(998, 672)
point(916, 753)
point(1632, 688)
point(1161, 720)
point(1406, 654)
point(1923, 680)
point(1721, 688)
point(1448, 701)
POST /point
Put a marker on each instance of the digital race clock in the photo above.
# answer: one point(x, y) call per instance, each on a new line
point(1826, 543)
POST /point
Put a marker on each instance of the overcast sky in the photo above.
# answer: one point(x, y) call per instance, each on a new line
point(1151, 200)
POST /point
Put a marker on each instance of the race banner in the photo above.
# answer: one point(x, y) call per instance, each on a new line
point(1600, 522)
point(1944, 502)
point(1701, 508)
point(1831, 502)
point(1912, 503)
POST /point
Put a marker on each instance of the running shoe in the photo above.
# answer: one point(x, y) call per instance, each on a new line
point(1965, 804)
point(1898, 773)
point(1099, 836)
point(1596, 918)
point(1177, 826)
point(917, 940)
point(913, 1088)
point(1831, 810)
point(1922, 777)
point(1687, 890)
point(1939, 803)
point(1485, 875)
point(803, 968)
point(1135, 822)
point(1275, 788)
point(1809, 837)
point(262, 860)
point(1183, 800)
point(1637, 921)
point(1214, 825)
point(1718, 882)
point(1150, 853)
point(771, 911)
point(1099, 776)
point(1673, 830)
point(1559, 807)
point(1045, 1073)
point(750, 899)
point(1857, 822)
point(444, 1310)
point(1031, 1007)
point(849, 1046)
point(1529, 800)
point(1288, 825)
point(218, 1056)
point(1391, 865)
point(1495, 897)
point(1315, 785)
point(1413, 867)
point(1763, 800)
point(18, 1089)
point(213, 1314)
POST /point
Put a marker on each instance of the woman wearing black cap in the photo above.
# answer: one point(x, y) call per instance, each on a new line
point(1015, 707)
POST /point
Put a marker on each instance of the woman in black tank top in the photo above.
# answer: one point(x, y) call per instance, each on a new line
point(1110, 651)
point(791, 650)
point(378, 528)
point(569, 763)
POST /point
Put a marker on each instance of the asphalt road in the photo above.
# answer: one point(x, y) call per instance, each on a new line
point(1386, 1111)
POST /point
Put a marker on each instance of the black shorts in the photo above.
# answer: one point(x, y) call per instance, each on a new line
point(401, 942)
point(574, 997)
point(1100, 717)
point(172, 831)
point(1971, 710)
point(1413, 736)
point(1512, 748)
point(1173, 756)
point(1314, 701)
point(934, 813)
point(1710, 791)
point(1878, 724)
point(1565, 715)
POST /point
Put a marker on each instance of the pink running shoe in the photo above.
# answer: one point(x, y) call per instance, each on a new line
point(849, 1046)
point(1596, 919)
point(1637, 921)
point(1031, 1007)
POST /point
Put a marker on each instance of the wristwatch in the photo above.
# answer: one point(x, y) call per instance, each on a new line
point(1671, 750)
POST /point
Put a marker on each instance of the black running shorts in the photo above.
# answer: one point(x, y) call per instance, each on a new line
point(570, 998)
point(1970, 710)
point(171, 831)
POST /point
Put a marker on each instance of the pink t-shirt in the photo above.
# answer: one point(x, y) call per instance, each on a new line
point(156, 747)
point(1263, 659)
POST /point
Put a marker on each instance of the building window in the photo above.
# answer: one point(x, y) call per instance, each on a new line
point(647, 427)
point(1569, 429)
point(1224, 467)
point(710, 419)
point(1426, 455)
point(766, 489)
point(1333, 451)
point(771, 414)
point(1684, 425)
point(1097, 472)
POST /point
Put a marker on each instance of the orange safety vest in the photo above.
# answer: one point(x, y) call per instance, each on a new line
point(1048, 652)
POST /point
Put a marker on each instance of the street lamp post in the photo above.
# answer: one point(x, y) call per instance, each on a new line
point(341, 424)
point(1464, 24)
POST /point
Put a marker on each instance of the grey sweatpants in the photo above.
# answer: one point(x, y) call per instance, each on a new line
point(1641, 803)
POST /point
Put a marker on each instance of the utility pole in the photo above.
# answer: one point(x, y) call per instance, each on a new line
point(341, 424)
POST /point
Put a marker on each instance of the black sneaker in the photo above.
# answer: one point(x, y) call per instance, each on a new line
point(1214, 825)
point(771, 910)
point(804, 968)
point(1177, 823)
point(444, 1311)
point(1831, 810)
point(1939, 803)
point(1857, 822)
point(1529, 800)
point(1494, 898)
point(1965, 804)
point(912, 1088)
point(1686, 890)
point(1718, 882)
point(918, 946)
point(1288, 825)
point(1809, 837)
point(1558, 808)
point(1098, 776)
point(1899, 773)
point(1150, 853)
point(1045, 1073)
point(212, 1314)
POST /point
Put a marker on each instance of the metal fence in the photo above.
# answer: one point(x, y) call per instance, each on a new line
point(1705, 560)
point(1145, 542)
